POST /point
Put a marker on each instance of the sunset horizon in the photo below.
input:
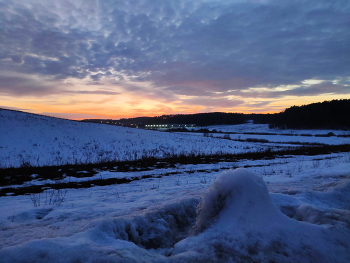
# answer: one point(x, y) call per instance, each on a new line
point(95, 59)
point(64, 115)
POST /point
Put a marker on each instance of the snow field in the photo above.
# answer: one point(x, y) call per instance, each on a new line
point(38, 141)
point(282, 139)
point(34, 140)
point(264, 128)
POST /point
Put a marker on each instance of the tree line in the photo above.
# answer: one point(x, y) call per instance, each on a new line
point(333, 114)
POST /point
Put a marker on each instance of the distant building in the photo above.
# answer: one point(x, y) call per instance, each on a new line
point(169, 126)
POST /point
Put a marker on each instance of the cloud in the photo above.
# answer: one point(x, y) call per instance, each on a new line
point(322, 88)
point(178, 47)
point(325, 87)
point(100, 92)
point(14, 84)
point(213, 103)
point(24, 85)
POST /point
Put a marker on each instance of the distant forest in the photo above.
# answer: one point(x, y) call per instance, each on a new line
point(200, 119)
point(333, 114)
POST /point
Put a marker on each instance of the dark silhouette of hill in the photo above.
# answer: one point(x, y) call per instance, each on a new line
point(200, 119)
point(333, 114)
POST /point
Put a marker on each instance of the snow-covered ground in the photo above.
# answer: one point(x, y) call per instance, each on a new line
point(264, 128)
point(263, 132)
point(279, 139)
point(145, 219)
point(290, 209)
point(29, 139)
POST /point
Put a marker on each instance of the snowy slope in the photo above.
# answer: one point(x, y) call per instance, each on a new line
point(29, 139)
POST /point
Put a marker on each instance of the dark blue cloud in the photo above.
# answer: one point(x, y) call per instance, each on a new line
point(183, 47)
point(23, 85)
point(212, 103)
point(99, 91)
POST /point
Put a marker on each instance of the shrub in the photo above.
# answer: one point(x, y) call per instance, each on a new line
point(256, 140)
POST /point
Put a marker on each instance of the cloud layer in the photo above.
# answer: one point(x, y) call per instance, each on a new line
point(189, 51)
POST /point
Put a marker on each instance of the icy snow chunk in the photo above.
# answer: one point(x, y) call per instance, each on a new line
point(238, 195)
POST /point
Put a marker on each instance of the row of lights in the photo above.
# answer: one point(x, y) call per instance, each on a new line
point(157, 125)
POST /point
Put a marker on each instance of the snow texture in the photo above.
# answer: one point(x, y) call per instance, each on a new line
point(237, 221)
point(35, 140)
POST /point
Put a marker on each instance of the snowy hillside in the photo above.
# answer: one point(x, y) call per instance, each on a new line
point(29, 139)
point(35, 140)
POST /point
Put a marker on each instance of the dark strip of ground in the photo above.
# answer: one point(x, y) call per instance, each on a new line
point(18, 176)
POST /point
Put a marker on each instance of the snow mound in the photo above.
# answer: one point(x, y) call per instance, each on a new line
point(238, 222)
point(236, 195)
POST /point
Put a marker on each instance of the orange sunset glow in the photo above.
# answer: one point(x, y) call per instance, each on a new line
point(88, 62)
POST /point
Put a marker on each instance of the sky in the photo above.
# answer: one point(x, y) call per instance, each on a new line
point(81, 59)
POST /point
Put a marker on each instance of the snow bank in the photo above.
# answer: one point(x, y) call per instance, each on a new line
point(159, 228)
point(77, 248)
point(141, 237)
point(326, 208)
point(238, 222)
